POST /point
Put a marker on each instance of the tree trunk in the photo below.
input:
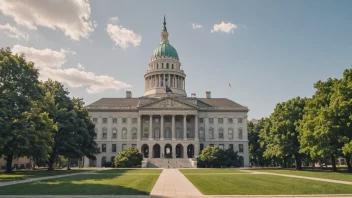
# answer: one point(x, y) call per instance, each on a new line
point(298, 162)
point(51, 161)
point(333, 163)
point(9, 164)
point(348, 160)
point(68, 163)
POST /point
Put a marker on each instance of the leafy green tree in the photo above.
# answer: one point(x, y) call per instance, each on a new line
point(281, 138)
point(255, 149)
point(212, 156)
point(231, 158)
point(130, 157)
point(19, 88)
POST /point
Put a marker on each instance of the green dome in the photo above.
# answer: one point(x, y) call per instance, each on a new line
point(165, 49)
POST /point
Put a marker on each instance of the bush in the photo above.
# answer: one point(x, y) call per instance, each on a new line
point(214, 157)
point(130, 157)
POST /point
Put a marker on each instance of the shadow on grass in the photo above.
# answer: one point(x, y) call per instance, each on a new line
point(26, 174)
point(85, 184)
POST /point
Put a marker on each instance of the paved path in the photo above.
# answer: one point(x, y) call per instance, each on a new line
point(172, 183)
point(40, 178)
point(300, 177)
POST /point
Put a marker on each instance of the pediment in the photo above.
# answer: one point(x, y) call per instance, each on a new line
point(168, 103)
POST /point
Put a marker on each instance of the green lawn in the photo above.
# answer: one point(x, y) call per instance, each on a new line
point(20, 175)
point(132, 171)
point(319, 174)
point(210, 170)
point(88, 184)
point(250, 184)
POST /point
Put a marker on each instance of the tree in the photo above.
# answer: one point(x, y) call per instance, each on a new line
point(231, 158)
point(130, 157)
point(255, 149)
point(19, 88)
point(212, 156)
point(282, 137)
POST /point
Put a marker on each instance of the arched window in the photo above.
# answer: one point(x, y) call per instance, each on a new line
point(124, 133)
point(172, 66)
point(145, 133)
point(114, 133)
point(201, 133)
point(189, 133)
point(105, 133)
point(230, 134)
point(211, 133)
point(156, 132)
point(221, 133)
point(134, 133)
point(167, 132)
point(240, 134)
point(178, 133)
point(167, 65)
point(103, 161)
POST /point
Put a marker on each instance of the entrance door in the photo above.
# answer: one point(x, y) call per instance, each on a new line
point(179, 151)
point(156, 151)
point(190, 151)
point(168, 151)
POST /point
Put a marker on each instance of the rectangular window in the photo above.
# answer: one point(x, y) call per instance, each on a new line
point(211, 120)
point(178, 120)
point(201, 147)
point(134, 145)
point(103, 148)
point(134, 120)
point(231, 146)
point(201, 120)
point(230, 120)
point(221, 135)
point(124, 120)
point(240, 148)
point(114, 134)
point(114, 120)
point(240, 120)
point(221, 146)
point(211, 144)
point(123, 146)
point(113, 148)
point(220, 120)
point(188, 120)
point(105, 120)
point(95, 120)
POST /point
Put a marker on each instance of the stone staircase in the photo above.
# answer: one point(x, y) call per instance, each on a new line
point(169, 163)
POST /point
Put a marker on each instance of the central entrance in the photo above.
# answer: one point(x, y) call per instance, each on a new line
point(156, 151)
point(145, 150)
point(168, 151)
point(179, 151)
point(190, 151)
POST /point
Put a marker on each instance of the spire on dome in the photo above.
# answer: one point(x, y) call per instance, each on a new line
point(164, 33)
point(164, 27)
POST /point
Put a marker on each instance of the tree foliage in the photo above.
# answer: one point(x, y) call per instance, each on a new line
point(130, 157)
point(214, 157)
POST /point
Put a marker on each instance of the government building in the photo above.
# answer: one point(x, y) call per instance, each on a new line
point(165, 122)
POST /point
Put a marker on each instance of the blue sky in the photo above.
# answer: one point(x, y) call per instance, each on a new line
point(276, 52)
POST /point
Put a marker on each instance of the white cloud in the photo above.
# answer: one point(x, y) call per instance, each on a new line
point(80, 67)
point(113, 20)
point(43, 58)
point(13, 32)
point(123, 37)
point(76, 78)
point(71, 16)
point(196, 26)
point(224, 27)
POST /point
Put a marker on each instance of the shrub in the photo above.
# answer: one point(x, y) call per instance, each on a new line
point(130, 157)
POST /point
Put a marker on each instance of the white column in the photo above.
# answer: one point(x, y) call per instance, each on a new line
point(164, 80)
point(150, 127)
point(185, 151)
point(196, 127)
point(161, 127)
point(173, 128)
point(139, 127)
point(184, 127)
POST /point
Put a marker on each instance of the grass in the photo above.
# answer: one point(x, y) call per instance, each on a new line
point(210, 170)
point(318, 174)
point(20, 175)
point(251, 184)
point(132, 171)
point(99, 183)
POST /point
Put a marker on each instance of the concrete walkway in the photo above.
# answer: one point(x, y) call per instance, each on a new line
point(172, 183)
point(300, 177)
point(41, 178)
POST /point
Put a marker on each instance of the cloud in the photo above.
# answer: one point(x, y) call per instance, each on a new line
point(196, 26)
point(80, 67)
point(113, 20)
point(123, 37)
point(13, 32)
point(43, 58)
point(70, 16)
point(75, 78)
point(224, 27)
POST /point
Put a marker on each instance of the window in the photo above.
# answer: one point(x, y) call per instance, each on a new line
point(188, 120)
point(221, 133)
point(157, 66)
point(211, 145)
point(123, 146)
point(230, 120)
point(240, 134)
point(103, 148)
point(134, 145)
point(113, 148)
point(231, 146)
point(167, 132)
point(230, 134)
point(221, 146)
point(134, 120)
point(178, 120)
point(201, 133)
point(240, 120)
point(156, 120)
point(201, 147)
point(96, 133)
point(201, 120)
point(156, 132)
point(211, 133)
point(105, 120)
point(167, 65)
point(178, 133)
point(124, 133)
point(145, 133)
point(134, 133)
point(220, 120)
point(189, 133)
point(95, 120)
point(114, 133)
point(124, 120)
point(162, 65)
point(172, 66)
point(240, 148)
point(211, 120)
point(114, 120)
point(105, 133)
